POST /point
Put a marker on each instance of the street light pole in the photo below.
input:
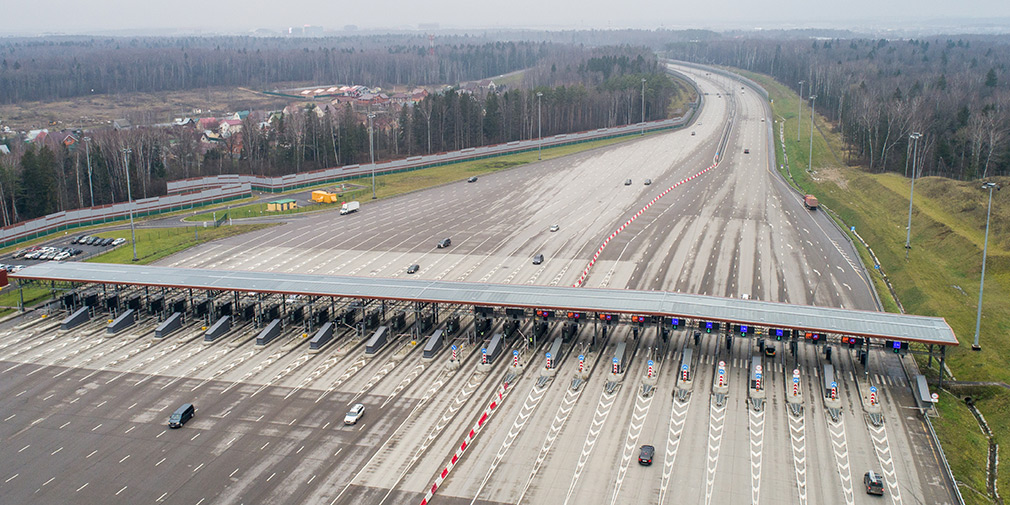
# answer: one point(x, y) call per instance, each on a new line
point(799, 111)
point(985, 246)
point(540, 134)
point(87, 149)
point(810, 160)
point(643, 106)
point(129, 198)
point(371, 152)
point(915, 151)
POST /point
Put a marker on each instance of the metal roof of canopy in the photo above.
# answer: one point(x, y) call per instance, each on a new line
point(927, 330)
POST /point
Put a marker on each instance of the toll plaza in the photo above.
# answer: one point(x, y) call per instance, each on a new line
point(275, 301)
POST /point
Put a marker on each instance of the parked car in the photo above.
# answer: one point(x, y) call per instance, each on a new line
point(746, 151)
point(555, 227)
point(648, 182)
point(692, 134)
point(645, 455)
point(472, 179)
point(413, 268)
point(538, 259)
point(446, 242)
point(107, 242)
point(627, 182)
point(354, 414)
point(118, 241)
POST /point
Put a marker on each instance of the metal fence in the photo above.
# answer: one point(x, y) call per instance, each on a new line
point(337, 174)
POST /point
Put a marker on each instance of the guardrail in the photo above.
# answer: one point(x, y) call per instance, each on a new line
point(336, 174)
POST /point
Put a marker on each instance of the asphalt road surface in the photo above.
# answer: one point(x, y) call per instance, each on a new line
point(84, 413)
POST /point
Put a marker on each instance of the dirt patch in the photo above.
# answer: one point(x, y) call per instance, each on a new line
point(833, 174)
point(140, 108)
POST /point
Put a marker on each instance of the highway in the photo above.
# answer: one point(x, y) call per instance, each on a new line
point(85, 413)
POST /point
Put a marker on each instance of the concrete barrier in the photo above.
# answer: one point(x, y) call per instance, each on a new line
point(269, 333)
point(81, 316)
point(173, 323)
point(124, 321)
point(219, 328)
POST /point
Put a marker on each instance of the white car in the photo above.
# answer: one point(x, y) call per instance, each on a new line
point(118, 241)
point(354, 414)
point(555, 227)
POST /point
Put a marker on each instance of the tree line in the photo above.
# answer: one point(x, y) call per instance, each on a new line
point(601, 88)
point(50, 69)
point(955, 93)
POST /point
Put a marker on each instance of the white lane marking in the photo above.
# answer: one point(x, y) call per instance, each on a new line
point(603, 409)
point(717, 421)
point(880, 444)
point(532, 401)
point(560, 418)
point(635, 425)
point(841, 451)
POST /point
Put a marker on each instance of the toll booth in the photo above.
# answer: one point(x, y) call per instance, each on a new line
point(755, 370)
point(686, 373)
point(619, 357)
point(69, 301)
point(321, 316)
point(399, 321)
point(296, 314)
point(324, 335)
point(555, 351)
point(201, 307)
point(273, 311)
point(509, 327)
point(224, 309)
point(112, 303)
point(133, 302)
point(178, 305)
point(90, 299)
point(248, 311)
point(434, 344)
point(377, 341)
point(372, 318)
point(79, 317)
point(173, 323)
point(495, 347)
point(156, 305)
point(425, 322)
point(829, 379)
point(452, 324)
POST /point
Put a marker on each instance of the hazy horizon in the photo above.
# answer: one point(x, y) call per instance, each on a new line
point(104, 17)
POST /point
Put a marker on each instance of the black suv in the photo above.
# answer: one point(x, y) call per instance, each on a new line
point(413, 268)
point(645, 455)
point(874, 484)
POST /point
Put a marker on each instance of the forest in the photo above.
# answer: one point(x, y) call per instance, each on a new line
point(955, 92)
point(579, 89)
point(50, 69)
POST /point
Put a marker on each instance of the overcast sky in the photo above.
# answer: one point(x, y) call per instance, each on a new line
point(217, 16)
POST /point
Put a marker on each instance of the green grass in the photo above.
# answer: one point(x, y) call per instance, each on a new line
point(404, 182)
point(963, 441)
point(154, 244)
point(941, 275)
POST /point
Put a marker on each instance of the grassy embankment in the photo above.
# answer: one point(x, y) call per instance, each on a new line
point(940, 277)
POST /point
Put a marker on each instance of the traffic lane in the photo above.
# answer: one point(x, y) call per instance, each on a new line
point(107, 427)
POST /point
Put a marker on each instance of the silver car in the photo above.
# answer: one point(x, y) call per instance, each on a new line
point(354, 414)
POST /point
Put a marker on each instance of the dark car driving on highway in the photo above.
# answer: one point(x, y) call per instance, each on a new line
point(645, 455)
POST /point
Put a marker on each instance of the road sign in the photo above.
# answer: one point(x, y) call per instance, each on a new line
point(483, 356)
point(683, 367)
point(935, 397)
point(873, 389)
point(582, 359)
point(796, 380)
